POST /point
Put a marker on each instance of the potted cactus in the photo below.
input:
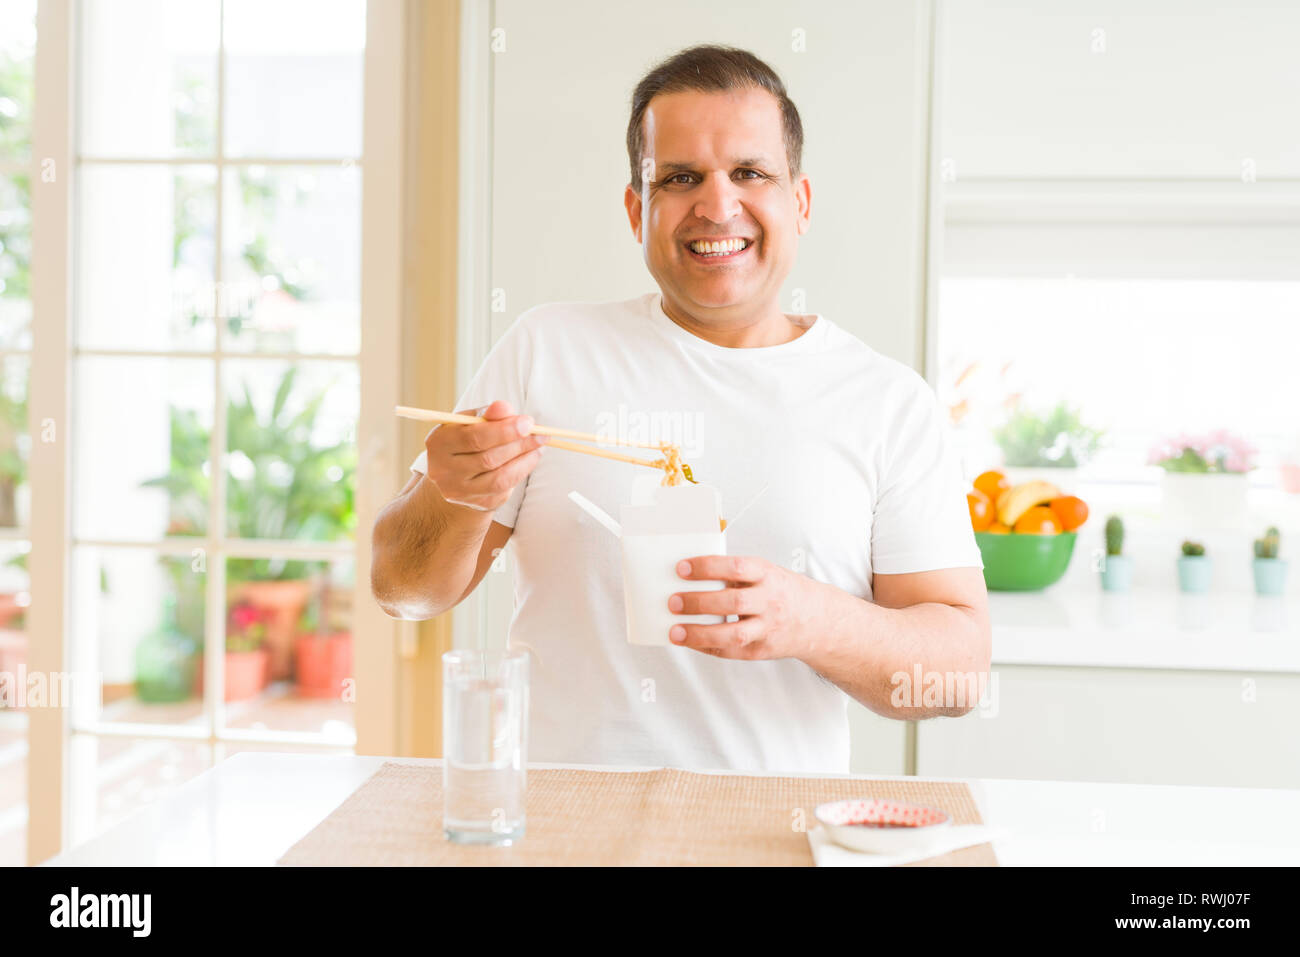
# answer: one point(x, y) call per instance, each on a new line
point(1194, 568)
point(1117, 568)
point(1270, 571)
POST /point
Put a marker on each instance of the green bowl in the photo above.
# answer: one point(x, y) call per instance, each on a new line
point(1017, 562)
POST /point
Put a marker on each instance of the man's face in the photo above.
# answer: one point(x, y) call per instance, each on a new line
point(715, 169)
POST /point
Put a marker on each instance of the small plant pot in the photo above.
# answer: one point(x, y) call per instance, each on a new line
point(1194, 573)
point(323, 663)
point(1117, 573)
point(1270, 575)
point(247, 673)
point(285, 600)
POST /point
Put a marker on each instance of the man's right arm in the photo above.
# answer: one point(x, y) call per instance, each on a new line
point(432, 544)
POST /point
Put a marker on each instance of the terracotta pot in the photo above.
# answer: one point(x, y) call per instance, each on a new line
point(285, 601)
point(247, 673)
point(323, 663)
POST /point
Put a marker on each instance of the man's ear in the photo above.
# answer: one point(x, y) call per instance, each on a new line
point(803, 202)
point(632, 203)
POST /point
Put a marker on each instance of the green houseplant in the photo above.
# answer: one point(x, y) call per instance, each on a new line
point(280, 484)
point(1268, 568)
point(1056, 438)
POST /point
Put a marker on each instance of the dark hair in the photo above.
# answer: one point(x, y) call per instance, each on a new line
point(711, 69)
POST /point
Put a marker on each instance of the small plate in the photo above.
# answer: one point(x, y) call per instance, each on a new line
point(881, 826)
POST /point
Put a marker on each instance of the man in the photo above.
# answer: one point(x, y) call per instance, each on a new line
point(855, 565)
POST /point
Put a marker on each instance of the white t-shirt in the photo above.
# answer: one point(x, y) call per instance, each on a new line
point(860, 473)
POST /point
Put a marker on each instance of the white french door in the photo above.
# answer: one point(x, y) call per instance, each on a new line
point(225, 208)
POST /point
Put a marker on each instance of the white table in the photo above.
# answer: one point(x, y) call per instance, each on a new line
point(253, 807)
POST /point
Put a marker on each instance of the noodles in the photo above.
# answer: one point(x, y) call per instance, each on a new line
point(674, 471)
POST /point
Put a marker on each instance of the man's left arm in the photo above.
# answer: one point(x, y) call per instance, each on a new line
point(921, 628)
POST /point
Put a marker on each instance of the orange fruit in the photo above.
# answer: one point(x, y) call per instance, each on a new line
point(1039, 520)
point(992, 483)
point(1071, 510)
point(981, 510)
point(997, 528)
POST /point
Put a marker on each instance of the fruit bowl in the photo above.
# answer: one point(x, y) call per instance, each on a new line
point(1019, 562)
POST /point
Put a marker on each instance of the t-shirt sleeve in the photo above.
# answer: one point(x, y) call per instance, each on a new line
point(921, 520)
point(503, 375)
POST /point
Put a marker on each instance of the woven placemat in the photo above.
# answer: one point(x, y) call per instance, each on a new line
point(665, 817)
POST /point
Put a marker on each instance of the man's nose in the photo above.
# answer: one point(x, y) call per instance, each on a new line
point(718, 199)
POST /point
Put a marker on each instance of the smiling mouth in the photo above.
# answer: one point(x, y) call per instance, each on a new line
point(722, 251)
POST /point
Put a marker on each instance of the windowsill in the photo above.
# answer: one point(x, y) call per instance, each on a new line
point(1146, 628)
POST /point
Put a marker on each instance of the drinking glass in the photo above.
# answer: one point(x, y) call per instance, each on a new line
point(484, 745)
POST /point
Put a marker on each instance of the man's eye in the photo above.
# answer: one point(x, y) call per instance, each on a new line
point(679, 176)
point(757, 174)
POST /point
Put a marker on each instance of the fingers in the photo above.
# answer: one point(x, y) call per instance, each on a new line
point(742, 569)
point(470, 439)
point(728, 601)
point(500, 482)
point(737, 639)
point(479, 465)
point(496, 457)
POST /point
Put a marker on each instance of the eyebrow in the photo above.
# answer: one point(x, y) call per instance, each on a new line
point(670, 167)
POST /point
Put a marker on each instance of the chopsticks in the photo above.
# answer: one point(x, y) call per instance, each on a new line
point(455, 418)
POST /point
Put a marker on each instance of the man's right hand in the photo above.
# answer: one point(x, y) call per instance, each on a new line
point(479, 465)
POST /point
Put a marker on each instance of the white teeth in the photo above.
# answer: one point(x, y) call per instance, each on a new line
point(722, 248)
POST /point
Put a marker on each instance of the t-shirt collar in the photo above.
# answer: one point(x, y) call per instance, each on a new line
point(808, 342)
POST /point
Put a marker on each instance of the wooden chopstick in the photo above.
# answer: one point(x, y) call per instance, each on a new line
point(588, 450)
point(455, 418)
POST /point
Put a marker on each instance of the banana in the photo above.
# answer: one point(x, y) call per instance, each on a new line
point(1019, 499)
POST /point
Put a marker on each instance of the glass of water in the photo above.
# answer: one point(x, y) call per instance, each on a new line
point(484, 745)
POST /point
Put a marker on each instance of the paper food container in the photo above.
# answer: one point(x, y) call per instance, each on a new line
point(662, 526)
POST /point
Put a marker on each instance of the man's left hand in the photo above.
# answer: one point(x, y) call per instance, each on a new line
point(778, 609)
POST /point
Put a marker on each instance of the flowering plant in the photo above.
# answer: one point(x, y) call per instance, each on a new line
point(1215, 453)
point(247, 628)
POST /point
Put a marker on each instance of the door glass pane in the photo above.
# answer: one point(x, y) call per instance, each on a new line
point(145, 253)
point(15, 443)
point(137, 623)
point(292, 449)
point(15, 262)
point(310, 53)
point(148, 78)
point(289, 646)
point(292, 239)
point(17, 64)
point(143, 428)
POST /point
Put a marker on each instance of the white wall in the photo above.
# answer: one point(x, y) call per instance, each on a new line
point(1135, 89)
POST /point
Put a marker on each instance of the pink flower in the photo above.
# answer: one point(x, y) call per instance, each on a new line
point(1221, 450)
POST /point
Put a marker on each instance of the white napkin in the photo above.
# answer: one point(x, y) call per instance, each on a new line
point(826, 853)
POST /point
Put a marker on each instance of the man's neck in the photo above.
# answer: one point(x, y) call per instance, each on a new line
point(766, 327)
